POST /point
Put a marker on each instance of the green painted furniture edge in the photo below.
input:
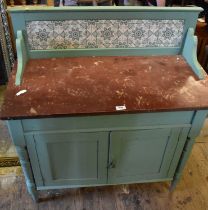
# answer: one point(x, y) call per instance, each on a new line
point(22, 57)
point(197, 123)
point(189, 53)
point(18, 138)
point(112, 122)
point(96, 185)
point(35, 54)
point(101, 8)
point(178, 150)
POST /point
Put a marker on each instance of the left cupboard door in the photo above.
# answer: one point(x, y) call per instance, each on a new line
point(69, 158)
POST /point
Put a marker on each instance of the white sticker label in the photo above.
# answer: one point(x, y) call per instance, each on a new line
point(118, 108)
point(21, 92)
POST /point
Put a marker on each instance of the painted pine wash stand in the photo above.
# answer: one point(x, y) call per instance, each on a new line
point(111, 94)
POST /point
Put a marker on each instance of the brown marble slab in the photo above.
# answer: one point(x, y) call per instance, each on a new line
point(96, 85)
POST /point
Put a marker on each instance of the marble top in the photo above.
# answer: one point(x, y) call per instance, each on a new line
point(97, 85)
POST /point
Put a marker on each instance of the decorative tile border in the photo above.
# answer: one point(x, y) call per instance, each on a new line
point(104, 34)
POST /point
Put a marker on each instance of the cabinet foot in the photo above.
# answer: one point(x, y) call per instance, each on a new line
point(174, 183)
point(26, 167)
point(33, 192)
point(173, 186)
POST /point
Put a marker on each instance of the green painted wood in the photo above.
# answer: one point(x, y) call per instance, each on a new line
point(178, 151)
point(143, 154)
point(18, 22)
point(26, 167)
point(102, 8)
point(17, 135)
point(62, 160)
point(197, 124)
point(35, 54)
point(183, 159)
point(22, 57)
point(154, 13)
point(94, 185)
point(107, 129)
point(109, 122)
point(109, 14)
point(32, 152)
point(16, 132)
point(73, 159)
point(190, 53)
point(189, 15)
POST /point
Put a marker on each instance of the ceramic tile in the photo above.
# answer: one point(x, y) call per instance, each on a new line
point(104, 34)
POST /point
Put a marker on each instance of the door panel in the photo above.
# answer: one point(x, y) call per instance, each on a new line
point(73, 158)
point(141, 155)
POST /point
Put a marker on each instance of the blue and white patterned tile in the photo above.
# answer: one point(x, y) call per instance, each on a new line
point(153, 33)
point(122, 34)
point(138, 33)
point(75, 33)
point(91, 34)
point(169, 33)
point(104, 33)
point(107, 33)
point(40, 33)
point(59, 32)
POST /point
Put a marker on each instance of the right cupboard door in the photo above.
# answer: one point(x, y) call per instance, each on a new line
point(141, 155)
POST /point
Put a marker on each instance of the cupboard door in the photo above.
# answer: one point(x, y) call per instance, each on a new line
point(141, 155)
point(72, 158)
